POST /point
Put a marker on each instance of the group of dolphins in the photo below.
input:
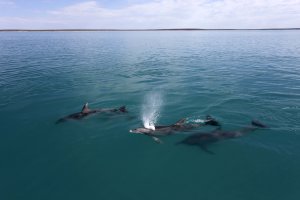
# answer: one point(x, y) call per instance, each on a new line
point(200, 139)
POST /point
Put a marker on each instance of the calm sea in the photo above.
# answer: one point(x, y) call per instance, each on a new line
point(235, 76)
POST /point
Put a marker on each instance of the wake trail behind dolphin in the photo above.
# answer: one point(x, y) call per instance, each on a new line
point(151, 109)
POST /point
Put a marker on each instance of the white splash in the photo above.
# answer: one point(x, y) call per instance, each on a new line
point(151, 108)
point(198, 121)
point(195, 120)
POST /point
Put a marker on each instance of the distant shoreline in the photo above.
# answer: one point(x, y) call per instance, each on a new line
point(171, 29)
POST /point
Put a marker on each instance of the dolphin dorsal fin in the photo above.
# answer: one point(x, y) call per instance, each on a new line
point(85, 108)
point(181, 121)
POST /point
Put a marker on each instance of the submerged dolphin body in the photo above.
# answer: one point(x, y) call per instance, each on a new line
point(180, 125)
point(85, 111)
point(202, 140)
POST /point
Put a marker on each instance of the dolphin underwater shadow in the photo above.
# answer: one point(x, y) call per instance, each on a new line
point(203, 140)
point(179, 126)
point(85, 111)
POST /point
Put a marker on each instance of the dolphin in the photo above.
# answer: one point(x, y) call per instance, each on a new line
point(164, 130)
point(202, 140)
point(85, 111)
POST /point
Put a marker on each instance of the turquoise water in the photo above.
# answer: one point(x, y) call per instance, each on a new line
point(235, 76)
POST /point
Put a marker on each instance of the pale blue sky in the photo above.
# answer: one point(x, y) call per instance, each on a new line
point(149, 13)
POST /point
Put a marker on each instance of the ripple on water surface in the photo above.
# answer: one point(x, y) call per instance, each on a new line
point(235, 76)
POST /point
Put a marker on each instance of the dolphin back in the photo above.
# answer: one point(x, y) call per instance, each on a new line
point(123, 109)
point(258, 124)
point(211, 121)
point(180, 122)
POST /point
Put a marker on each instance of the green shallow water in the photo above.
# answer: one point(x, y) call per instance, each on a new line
point(235, 76)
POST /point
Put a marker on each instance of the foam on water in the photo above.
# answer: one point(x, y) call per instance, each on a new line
point(197, 121)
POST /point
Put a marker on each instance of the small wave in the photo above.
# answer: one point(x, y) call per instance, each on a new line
point(291, 108)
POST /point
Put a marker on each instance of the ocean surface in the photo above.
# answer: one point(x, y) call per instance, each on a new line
point(235, 76)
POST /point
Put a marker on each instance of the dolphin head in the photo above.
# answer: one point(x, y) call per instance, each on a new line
point(141, 130)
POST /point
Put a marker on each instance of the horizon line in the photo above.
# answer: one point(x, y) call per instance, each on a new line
point(150, 29)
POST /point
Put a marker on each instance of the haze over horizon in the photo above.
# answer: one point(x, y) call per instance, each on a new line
point(149, 14)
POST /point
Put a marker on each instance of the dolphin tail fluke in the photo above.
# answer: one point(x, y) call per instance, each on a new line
point(211, 121)
point(258, 124)
point(123, 109)
point(60, 121)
